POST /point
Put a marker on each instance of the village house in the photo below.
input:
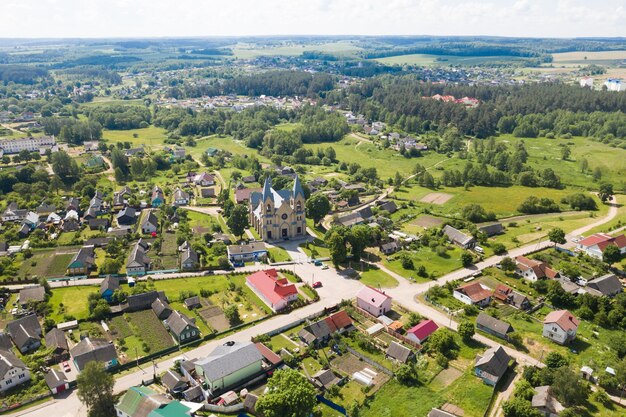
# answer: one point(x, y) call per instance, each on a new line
point(181, 327)
point(325, 378)
point(473, 293)
point(373, 301)
point(607, 285)
point(108, 286)
point(252, 252)
point(492, 365)
point(320, 332)
point(127, 216)
point(560, 326)
point(242, 195)
point(25, 333)
point(279, 214)
point(491, 229)
point(189, 259)
point(35, 294)
point(533, 270)
point(204, 179)
point(192, 302)
point(99, 350)
point(180, 198)
point(158, 198)
point(139, 402)
point(508, 296)
point(55, 339)
point(83, 262)
point(493, 326)
point(13, 371)
point(595, 245)
point(276, 292)
point(398, 352)
point(229, 365)
point(161, 309)
point(546, 403)
point(459, 238)
point(174, 382)
point(143, 301)
point(138, 262)
point(149, 224)
point(421, 331)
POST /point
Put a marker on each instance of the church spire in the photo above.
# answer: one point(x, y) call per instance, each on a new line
point(267, 190)
point(297, 188)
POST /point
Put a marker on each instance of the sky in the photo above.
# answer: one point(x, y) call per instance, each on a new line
point(180, 18)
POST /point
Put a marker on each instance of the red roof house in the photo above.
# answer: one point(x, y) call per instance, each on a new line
point(595, 245)
point(473, 293)
point(560, 326)
point(420, 332)
point(533, 270)
point(276, 292)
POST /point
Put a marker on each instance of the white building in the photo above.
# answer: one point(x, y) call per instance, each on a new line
point(586, 82)
point(29, 144)
point(560, 326)
point(14, 371)
point(373, 301)
point(614, 84)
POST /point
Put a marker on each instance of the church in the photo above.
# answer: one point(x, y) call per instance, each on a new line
point(278, 215)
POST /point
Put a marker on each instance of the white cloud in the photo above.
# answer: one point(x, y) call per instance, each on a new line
point(136, 18)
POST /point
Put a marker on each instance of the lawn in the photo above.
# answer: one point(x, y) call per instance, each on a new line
point(435, 264)
point(278, 254)
point(316, 249)
point(70, 301)
point(151, 137)
point(371, 275)
point(46, 263)
point(280, 341)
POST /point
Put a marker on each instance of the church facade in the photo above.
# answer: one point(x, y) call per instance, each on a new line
point(278, 215)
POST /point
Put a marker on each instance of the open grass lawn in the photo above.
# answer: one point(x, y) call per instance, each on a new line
point(280, 341)
point(70, 301)
point(222, 142)
point(278, 254)
point(435, 265)
point(201, 223)
point(374, 277)
point(151, 137)
point(46, 263)
point(316, 249)
point(169, 253)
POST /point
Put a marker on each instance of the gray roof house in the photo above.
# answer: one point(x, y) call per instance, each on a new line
point(491, 229)
point(161, 308)
point(99, 350)
point(398, 352)
point(174, 382)
point(458, 238)
point(545, 402)
point(189, 259)
point(138, 262)
point(127, 216)
point(182, 327)
point(492, 325)
point(325, 378)
point(12, 371)
point(56, 381)
point(150, 223)
point(25, 333)
point(5, 341)
point(192, 302)
point(229, 365)
point(55, 338)
point(492, 365)
point(609, 285)
point(35, 293)
point(143, 301)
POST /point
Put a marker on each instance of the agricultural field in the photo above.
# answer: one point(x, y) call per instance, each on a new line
point(248, 51)
point(443, 60)
point(45, 263)
point(578, 58)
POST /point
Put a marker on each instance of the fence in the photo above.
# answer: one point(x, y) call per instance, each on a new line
point(4, 409)
point(231, 409)
point(331, 404)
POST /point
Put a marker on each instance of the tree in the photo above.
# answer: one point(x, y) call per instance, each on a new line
point(519, 407)
point(442, 341)
point(95, 390)
point(568, 387)
point(466, 330)
point(232, 314)
point(289, 394)
point(476, 213)
point(565, 152)
point(317, 206)
point(557, 235)
point(507, 264)
point(584, 165)
point(407, 374)
point(605, 192)
point(555, 360)
point(397, 180)
point(466, 259)
point(611, 254)
point(111, 266)
point(498, 248)
point(337, 248)
point(238, 220)
point(65, 167)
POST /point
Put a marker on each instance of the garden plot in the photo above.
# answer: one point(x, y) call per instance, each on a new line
point(349, 364)
point(436, 198)
point(215, 317)
point(428, 221)
point(447, 377)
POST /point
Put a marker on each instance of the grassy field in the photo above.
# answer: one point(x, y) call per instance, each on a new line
point(386, 161)
point(608, 58)
point(316, 249)
point(46, 263)
point(71, 301)
point(278, 254)
point(435, 264)
point(151, 137)
point(371, 275)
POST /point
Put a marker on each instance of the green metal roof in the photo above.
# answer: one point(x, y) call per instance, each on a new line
point(131, 400)
point(173, 409)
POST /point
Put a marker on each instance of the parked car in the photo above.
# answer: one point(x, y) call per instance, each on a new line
point(317, 284)
point(324, 266)
point(317, 263)
point(66, 366)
